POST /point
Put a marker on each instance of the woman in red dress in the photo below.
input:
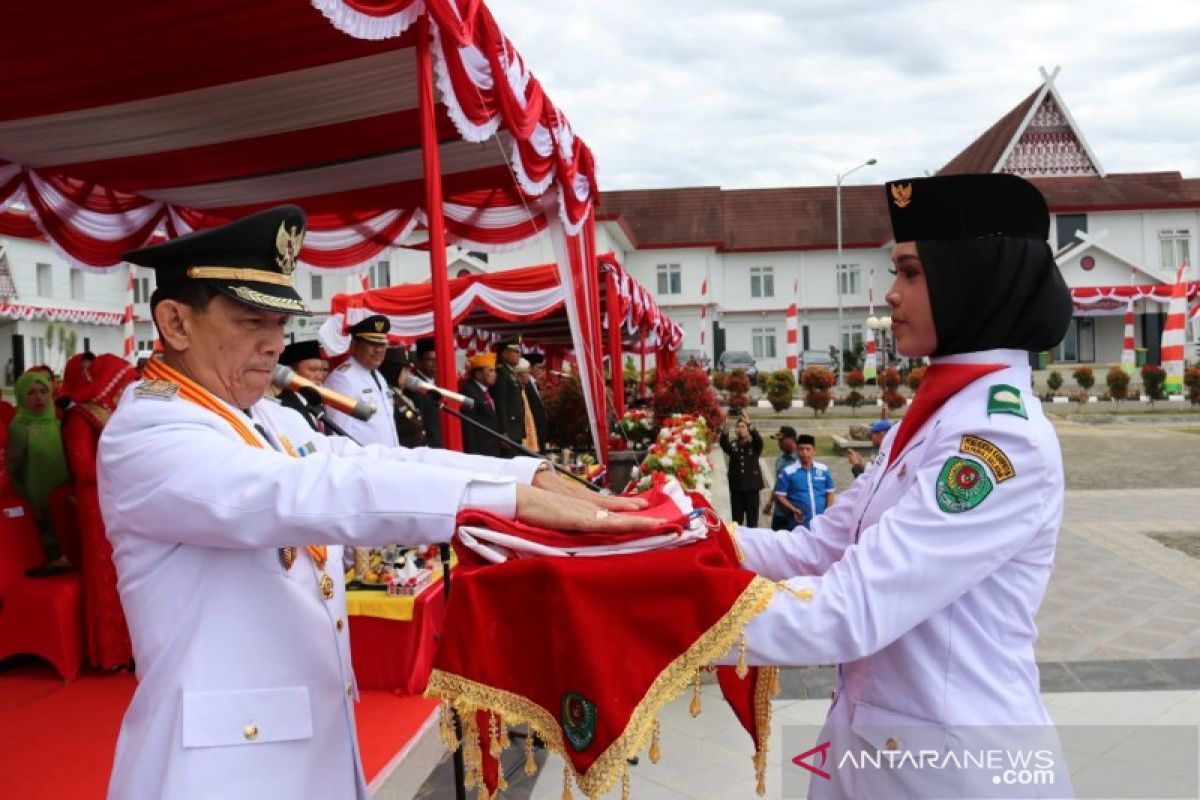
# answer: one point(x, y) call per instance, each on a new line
point(93, 403)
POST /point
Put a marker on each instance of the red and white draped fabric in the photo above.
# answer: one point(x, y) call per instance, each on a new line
point(1173, 333)
point(1128, 357)
point(20, 311)
point(793, 343)
point(1106, 300)
point(703, 309)
point(295, 111)
point(130, 349)
point(871, 363)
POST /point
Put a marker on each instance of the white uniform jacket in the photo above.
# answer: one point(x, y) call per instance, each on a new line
point(925, 594)
point(354, 380)
point(245, 687)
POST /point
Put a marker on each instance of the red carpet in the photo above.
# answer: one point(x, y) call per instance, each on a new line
point(58, 739)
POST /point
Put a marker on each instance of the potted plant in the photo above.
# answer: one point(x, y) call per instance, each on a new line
point(1118, 384)
point(780, 389)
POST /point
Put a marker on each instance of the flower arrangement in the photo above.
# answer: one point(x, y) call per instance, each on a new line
point(681, 450)
point(687, 391)
point(637, 426)
point(817, 382)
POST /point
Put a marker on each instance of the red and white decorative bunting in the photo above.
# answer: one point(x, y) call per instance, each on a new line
point(130, 349)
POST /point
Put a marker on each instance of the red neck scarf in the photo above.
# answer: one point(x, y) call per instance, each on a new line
point(941, 382)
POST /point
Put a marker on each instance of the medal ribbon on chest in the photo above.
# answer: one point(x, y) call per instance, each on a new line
point(198, 395)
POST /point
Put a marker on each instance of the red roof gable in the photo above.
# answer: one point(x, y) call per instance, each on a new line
point(982, 154)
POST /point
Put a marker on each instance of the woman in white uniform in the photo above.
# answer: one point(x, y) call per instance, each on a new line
point(922, 583)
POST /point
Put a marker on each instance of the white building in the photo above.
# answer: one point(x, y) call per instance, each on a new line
point(756, 251)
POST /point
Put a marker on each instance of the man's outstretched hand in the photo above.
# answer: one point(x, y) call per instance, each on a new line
point(550, 481)
point(563, 511)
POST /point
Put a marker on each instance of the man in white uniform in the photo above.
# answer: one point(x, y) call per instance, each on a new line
point(219, 506)
point(922, 583)
point(359, 377)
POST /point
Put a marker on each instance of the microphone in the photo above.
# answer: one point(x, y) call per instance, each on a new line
point(415, 384)
point(285, 378)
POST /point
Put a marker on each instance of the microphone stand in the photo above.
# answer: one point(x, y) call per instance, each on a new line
point(313, 398)
point(497, 435)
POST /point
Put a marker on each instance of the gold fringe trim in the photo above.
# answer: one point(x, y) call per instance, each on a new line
point(566, 795)
point(737, 543)
point(467, 696)
point(530, 760)
point(694, 706)
point(742, 670)
point(765, 687)
point(655, 750)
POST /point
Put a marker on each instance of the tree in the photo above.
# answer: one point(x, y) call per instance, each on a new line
point(1054, 381)
point(1084, 377)
point(1118, 384)
point(1153, 378)
point(737, 387)
point(780, 388)
point(817, 381)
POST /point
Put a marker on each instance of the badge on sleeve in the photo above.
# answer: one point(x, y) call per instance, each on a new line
point(999, 463)
point(1005, 399)
point(156, 390)
point(962, 485)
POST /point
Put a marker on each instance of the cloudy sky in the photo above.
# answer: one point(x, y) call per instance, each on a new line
point(792, 92)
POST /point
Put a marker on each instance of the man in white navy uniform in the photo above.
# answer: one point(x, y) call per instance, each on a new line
point(220, 505)
point(359, 377)
point(922, 583)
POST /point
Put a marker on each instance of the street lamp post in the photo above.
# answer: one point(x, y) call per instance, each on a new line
point(837, 194)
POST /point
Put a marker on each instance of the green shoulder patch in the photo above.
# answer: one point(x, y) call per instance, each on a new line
point(1005, 399)
point(962, 485)
point(156, 390)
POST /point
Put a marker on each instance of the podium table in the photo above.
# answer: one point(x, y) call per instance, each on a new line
point(393, 639)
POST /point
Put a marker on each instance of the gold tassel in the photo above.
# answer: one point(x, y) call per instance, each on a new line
point(655, 752)
point(501, 781)
point(625, 782)
point(504, 740)
point(472, 755)
point(493, 736)
point(774, 672)
point(760, 772)
point(695, 706)
point(482, 792)
point(566, 795)
point(446, 725)
point(742, 670)
point(530, 761)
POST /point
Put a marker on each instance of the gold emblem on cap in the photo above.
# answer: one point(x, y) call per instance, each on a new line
point(901, 194)
point(379, 326)
point(288, 243)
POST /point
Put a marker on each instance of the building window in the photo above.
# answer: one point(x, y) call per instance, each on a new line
point(145, 345)
point(478, 255)
point(762, 342)
point(852, 338)
point(1173, 248)
point(670, 279)
point(76, 285)
point(849, 279)
point(1067, 224)
point(762, 281)
point(381, 275)
point(37, 345)
point(318, 288)
point(141, 289)
point(45, 283)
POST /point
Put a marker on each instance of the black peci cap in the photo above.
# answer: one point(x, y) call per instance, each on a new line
point(373, 329)
point(296, 352)
point(511, 343)
point(534, 358)
point(426, 345)
point(806, 438)
point(251, 259)
point(950, 207)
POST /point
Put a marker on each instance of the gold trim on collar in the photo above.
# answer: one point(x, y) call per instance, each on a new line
point(239, 274)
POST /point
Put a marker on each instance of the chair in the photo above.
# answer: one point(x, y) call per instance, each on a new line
point(40, 616)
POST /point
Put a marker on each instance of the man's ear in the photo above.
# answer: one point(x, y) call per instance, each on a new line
point(174, 322)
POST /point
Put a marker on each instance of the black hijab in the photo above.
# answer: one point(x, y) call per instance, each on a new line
point(995, 292)
point(992, 279)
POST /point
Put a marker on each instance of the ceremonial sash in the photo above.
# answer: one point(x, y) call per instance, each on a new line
point(941, 382)
point(157, 369)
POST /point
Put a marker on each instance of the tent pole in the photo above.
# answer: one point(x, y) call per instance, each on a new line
point(443, 338)
point(642, 388)
point(592, 274)
point(615, 355)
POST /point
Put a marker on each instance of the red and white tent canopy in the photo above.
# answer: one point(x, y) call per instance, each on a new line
point(1103, 300)
point(529, 301)
point(120, 118)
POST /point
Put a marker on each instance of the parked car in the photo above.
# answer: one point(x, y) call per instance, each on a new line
point(817, 358)
point(738, 359)
point(699, 356)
